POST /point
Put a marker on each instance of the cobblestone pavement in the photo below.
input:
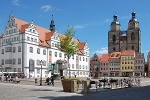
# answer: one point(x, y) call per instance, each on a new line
point(11, 91)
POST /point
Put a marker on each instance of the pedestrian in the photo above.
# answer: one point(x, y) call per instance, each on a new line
point(47, 81)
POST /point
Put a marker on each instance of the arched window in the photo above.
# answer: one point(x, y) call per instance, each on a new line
point(114, 37)
point(114, 49)
point(132, 36)
point(132, 48)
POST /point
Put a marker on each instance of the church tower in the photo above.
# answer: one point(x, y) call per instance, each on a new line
point(52, 25)
point(133, 34)
point(114, 36)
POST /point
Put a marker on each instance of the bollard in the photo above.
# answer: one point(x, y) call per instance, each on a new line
point(86, 87)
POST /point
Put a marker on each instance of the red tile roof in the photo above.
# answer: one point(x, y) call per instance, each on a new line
point(123, 38)
point(105, 58)
point(128, 53)
point(44, 34)
point(115, 55)
point(81, 45)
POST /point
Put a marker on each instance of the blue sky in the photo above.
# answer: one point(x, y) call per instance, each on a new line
point(90, 18)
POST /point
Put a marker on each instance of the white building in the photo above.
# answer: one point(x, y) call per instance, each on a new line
point(23, 41)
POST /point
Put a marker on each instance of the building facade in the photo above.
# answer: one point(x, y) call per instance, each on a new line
point(114, 63)
point(129, 39)
point(95, 66)
point(127, 63)
point(139, 64)
point(26, 47)
point(104, 65)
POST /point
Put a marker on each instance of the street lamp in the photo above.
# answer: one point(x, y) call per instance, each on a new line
point(53, 74)
point(41, 73)
point(2, 72)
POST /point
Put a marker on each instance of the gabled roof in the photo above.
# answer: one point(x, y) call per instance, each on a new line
point(128, 53)
point(99, 57)
point(105, 58)
point(20, 23)
point(81, 45)
point(44, 34)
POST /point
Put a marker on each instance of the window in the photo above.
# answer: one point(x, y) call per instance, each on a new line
point(35, 40)
point(83, 66)
point(31, 39)
point(60, 54)
point(19, 60)
point(50, 53)
point(19, 49)
point(44, 63)
point(14, 38)
point(19, 69)
point(132, 36)
point(80, 66)
point(14, 49)
point(2, 61)
point(114, 49)
point(38, 62)
point(15, 70)
point(28, 38)
point(38, 71)
point(14, 30)
point(80, 58)
point(44, 52)
point(86, 59)
point(76, 57)
point(83, 58)
point(73, 66)
point(31, 49)
point(72, 57)
point(132, 48)
point(38, 50)
point(64, 55)
point(55, 54)
point(14, 61)
point(17, 38)
point(2, 51)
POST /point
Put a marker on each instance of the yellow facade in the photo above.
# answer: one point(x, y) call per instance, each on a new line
point(127, 65)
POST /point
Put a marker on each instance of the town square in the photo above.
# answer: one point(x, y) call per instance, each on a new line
point(77, 50)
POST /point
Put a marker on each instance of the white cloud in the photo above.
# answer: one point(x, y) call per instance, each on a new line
point(15, 2)
point(125, 17)
point(78, 26)
point(108, 20)
point(46, 8)
point(103, 50)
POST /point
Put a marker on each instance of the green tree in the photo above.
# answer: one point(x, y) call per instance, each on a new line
point(67, 45)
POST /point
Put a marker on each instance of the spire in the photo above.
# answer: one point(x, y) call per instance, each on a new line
point(52, 25)
point(133, 15)
point(115, 17)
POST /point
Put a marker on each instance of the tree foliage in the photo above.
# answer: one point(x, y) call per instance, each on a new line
point(67, 45)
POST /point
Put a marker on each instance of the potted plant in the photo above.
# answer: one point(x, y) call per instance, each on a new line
point(66, 83)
